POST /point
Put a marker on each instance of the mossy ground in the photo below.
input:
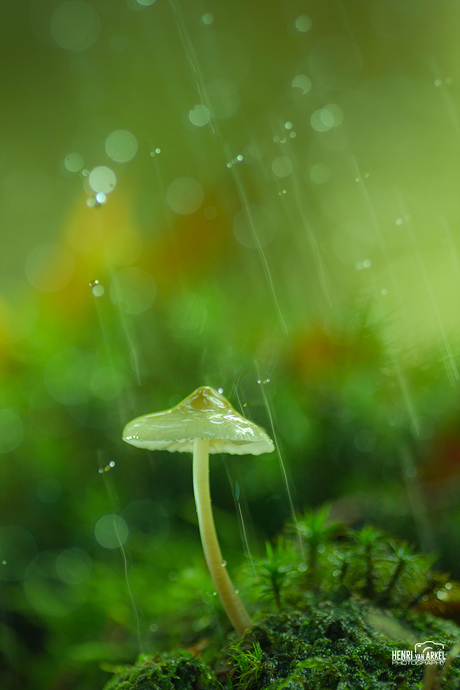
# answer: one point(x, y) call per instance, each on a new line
point(334, 604)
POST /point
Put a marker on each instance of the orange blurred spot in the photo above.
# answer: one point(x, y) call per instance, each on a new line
point(192, 248)
point(448, 607)
point(319, 353)
point(443, 461)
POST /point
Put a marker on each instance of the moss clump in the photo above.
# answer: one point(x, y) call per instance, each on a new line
point(181, 671)
point(333, 645)
point(334, 604)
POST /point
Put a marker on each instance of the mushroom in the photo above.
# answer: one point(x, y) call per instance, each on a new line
point(204, 423)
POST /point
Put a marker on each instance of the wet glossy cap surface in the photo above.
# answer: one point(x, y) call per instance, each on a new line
point(203, 414)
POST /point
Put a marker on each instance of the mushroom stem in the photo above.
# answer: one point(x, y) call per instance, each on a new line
point(231, 602)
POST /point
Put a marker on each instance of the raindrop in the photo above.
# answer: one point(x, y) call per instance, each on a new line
point(292, 135)
point(199, 115)
point(121, 146)
point(301, 81)
point(303, 23)
point(384, 291)
point(75, 25)
point(207, 18)
point(322, 120)
point(332, 115)
point(96, 288)
point(111, 531)
point(282, 166)
point(73, 162)
point(102, 179)
point(220, 390)
point(73, 566)
point(229, 165)
point(288, 125)
point(326, 117)
point(107, 468)
point(154, 627)
point(239, 157)
point(224, 564)
point(101, 198)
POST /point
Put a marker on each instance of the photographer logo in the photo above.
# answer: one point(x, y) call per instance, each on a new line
point(428, 652)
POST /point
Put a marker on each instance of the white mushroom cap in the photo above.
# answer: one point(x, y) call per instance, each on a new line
point(204, 414)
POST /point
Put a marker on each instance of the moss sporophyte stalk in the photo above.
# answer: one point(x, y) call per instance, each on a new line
point(338, 610)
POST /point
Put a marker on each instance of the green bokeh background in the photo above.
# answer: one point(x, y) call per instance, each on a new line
point(308, 265)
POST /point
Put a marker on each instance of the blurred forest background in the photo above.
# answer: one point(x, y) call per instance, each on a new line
point(259, 196)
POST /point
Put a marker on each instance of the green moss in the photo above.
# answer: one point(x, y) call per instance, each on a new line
point(333, 606)
point(333, 644)
point(180, 671)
